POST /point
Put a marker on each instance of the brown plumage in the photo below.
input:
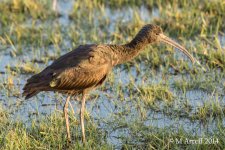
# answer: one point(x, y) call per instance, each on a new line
point(87, 67)
point(78, 70)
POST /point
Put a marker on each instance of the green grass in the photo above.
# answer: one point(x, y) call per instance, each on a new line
point(149, 94)
point(49, 133)
point(129, 107)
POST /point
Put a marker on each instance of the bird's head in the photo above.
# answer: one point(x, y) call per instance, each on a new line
point(153, 33)
point(150, 33)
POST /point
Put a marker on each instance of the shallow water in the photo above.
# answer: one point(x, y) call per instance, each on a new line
point(108, 102)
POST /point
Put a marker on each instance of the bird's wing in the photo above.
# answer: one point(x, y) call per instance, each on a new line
point(81, 68)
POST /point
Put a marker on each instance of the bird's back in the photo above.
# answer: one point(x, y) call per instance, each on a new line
point(83, 68)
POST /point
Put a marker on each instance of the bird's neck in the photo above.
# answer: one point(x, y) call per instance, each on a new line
point(137, 44)
point(130, 50)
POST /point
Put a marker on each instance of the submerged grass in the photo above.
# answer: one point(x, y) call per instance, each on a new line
point(49, 133)
point(153, 85)
point(152, 93)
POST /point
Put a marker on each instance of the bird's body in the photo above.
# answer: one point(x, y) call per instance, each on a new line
point(87, 67)
point(82, 69)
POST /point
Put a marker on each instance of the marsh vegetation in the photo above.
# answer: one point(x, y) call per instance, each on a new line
point(144, 104)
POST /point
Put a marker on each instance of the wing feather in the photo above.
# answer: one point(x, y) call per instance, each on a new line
point(82, 68)
point(87, 73)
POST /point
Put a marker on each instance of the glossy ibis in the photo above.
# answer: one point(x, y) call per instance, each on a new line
point(87, 67)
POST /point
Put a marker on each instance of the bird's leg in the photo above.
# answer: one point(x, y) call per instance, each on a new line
point(65, 109)
point(71, 108)
point(82, 117)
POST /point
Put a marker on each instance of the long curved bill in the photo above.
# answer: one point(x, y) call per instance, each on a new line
point(167, 40)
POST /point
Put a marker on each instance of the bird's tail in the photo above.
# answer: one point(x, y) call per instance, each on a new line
point(28, 93)
point(33, 86)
